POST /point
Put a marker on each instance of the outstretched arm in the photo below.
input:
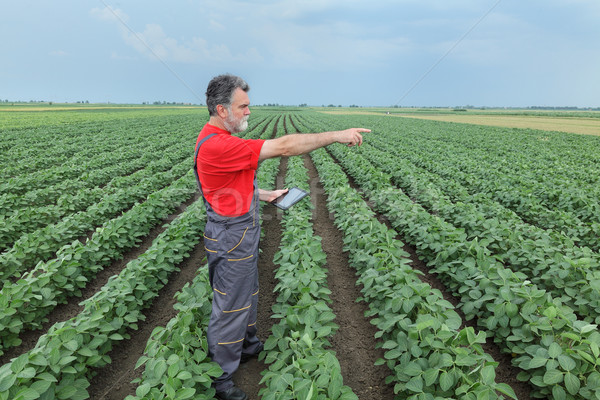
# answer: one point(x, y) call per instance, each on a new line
point(299, 143)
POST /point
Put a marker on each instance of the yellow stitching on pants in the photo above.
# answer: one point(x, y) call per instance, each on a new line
point(254, 294)
point(206, 237)
point(252, 324)
point(240, 259)
point(212, 251)
point(237, 341)
point(218, 291)
point(241, 309)
point(240, 242)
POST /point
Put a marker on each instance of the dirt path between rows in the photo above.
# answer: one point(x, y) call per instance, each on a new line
point(354, 342)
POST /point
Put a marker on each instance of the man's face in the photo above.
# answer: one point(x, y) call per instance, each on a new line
point(238, 113)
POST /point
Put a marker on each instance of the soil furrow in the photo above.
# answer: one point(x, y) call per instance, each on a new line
point(354, 342)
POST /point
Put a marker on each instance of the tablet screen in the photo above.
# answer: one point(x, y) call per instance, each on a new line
point(290, 198)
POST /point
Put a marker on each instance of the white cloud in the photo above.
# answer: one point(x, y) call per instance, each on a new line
point(109, 14)
point(214, 25)
point(154, 43)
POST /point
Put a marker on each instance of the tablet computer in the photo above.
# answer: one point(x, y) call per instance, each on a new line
point(290, 198)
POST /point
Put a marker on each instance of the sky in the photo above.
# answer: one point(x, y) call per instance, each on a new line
point(406, 53)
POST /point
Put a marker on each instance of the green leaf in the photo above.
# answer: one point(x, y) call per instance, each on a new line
point(506, 389)
point(550, 312)
point(27, 394)
point(595, 349)
point(185, 393)
point(572, 383)
point(170, 391)
point(415, 384)
point(306, 339)
point(335, 386)
point(173, 370)
point(537, 362)
point(446, 381)
point(27, 373)
point(412, 369)
point(511, 310)
point(566, 362)
point(142, 390)
point(558, 393)
point(7, 381)
point(71, 345)
point(184, 375)
point(488, 374)
point(324, 331)
point(86, 352)
point(67, 360)
point(19, 363)
point(552, 377)
point(66, 392)
point(160, 368)
point(431, 376)
point(588, 328)
point(116, 336)
point(46, 376)
point(554, 350)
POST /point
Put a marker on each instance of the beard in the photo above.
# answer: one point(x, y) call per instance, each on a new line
point(234, 125)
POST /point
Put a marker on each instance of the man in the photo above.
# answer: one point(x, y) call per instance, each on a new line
point(226, 169)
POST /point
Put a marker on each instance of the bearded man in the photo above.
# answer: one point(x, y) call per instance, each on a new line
point(225, 166)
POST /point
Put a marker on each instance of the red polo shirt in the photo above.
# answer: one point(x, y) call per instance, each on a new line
point(226, 166)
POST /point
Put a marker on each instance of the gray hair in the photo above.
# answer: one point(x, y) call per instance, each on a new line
point(220, 91)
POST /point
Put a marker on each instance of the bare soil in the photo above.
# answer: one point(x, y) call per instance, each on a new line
point(354, 342)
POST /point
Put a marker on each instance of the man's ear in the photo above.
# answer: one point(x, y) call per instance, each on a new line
point(222, 111)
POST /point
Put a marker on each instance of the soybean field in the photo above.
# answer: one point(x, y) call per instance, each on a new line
point(439, 260)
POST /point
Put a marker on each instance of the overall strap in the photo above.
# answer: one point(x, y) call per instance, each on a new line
point(204, 139)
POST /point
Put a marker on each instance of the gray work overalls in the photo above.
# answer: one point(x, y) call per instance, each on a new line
point(231, 245)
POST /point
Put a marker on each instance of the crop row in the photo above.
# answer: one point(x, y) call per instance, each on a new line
point(60, 364)
point(578, 219)
point(96, 172)
point(119, 194)
point(428, 352)
point(25, 303)
point(543, 177)
point(549, 259)
point(27, 220)
point(176, 362)
point(86, 159)
point(522, 201)
point(72, 382)
point(42, 244)
point(558, 354)
point(301, 366)
point(39, 154)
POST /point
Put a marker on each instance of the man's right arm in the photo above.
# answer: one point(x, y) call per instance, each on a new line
point(302, 143)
